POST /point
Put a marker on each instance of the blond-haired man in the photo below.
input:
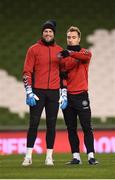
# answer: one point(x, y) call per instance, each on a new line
point(75, 62)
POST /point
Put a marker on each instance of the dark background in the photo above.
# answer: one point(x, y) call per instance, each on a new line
point(20, 27)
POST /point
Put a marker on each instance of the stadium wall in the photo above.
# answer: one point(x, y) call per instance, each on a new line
point(15, 142)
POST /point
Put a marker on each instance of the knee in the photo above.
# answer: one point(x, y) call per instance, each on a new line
point(34, 122)
point(51, 123)
point(32, 130)
point(87, 130)
point(71, 129)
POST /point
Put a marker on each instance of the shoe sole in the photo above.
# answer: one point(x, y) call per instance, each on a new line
point(49, 164)
point(94, 163)
point(68, 163)
point(26, 165)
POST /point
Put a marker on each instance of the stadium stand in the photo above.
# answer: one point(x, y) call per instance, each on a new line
point(101, 78)
point(20, 23)
point(102, 74)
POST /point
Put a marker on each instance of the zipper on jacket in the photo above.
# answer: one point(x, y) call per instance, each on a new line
point(49, 68)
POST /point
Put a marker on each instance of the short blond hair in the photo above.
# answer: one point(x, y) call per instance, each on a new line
point(74, 28)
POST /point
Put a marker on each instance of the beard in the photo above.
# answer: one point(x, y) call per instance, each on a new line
point(48, 43)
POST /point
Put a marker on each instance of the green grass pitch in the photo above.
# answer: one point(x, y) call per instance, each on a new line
point(10, 168)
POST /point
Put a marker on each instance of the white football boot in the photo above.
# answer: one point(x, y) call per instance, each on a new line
point(49, 162)
point(27, 162)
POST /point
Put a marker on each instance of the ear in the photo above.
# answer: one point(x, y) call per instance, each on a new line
point(79, 39)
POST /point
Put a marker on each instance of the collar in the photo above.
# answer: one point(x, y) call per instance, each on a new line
point(74, 48)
